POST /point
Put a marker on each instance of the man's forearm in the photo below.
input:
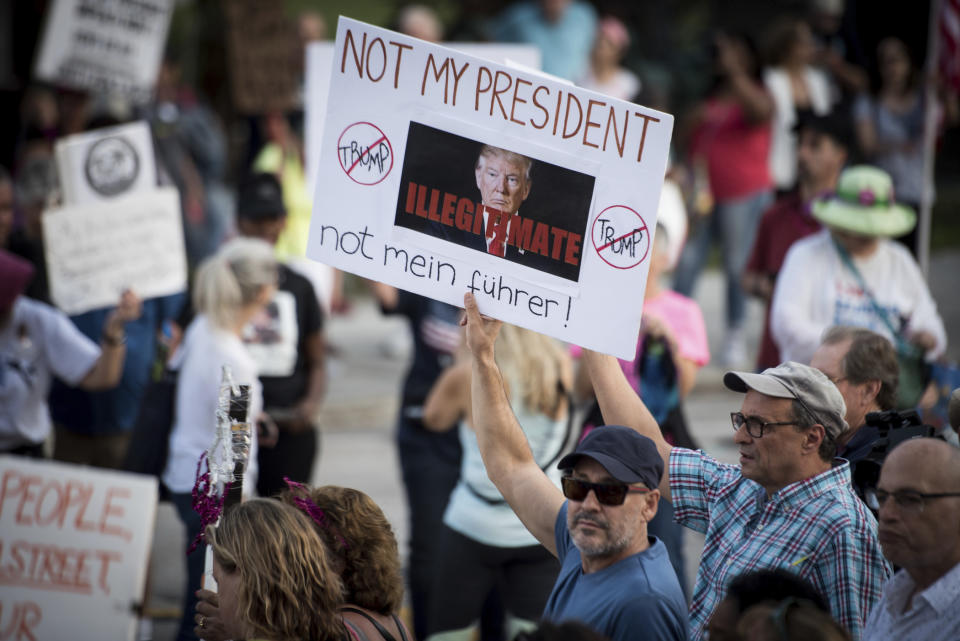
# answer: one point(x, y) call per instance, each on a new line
point(499, 437)
point(618, 401)
point(107, 370)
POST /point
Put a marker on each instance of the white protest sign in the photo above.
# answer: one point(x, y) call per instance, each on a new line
point(105, 163)
point(110, 46)
point(408, 194)
point(319, 64)
point(74, 544)
point(96, 251)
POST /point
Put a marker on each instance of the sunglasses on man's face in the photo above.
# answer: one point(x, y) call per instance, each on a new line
point(606, 493)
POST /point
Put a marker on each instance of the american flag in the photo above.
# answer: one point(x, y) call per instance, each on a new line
point(950, 42)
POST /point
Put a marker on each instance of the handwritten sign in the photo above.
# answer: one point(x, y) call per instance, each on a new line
point(105, 163)
point(319, 65)
point(264, 52)
point(74, 543)
point(96, 251)
point(110, 46)
point(496, 182)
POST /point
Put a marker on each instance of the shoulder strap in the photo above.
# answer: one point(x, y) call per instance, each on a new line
point(382, 630)
point(881, 312)
point(397, 622)
point(561, 449)
point(568, 431)
point(352, 633)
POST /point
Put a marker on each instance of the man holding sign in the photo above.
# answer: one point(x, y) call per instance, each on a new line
point(788, 504)
point(614, 577)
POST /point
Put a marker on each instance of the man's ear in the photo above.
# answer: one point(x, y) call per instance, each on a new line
point(526, 188)
point(870, 390)
point(651, 502)
point(813, 437)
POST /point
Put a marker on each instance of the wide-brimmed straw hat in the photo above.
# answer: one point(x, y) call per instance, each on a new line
point(864, 204)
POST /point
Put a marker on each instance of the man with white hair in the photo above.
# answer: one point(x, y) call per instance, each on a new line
point(788, 504)
point(919, 497)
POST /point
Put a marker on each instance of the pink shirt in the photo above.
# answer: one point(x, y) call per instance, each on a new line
point(684, 318)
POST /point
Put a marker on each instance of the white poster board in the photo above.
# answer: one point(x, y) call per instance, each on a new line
point(108, 46)
point(74, 544)
point(319, 64)
point(399, 199)
point(96, 251)
point(105, 163)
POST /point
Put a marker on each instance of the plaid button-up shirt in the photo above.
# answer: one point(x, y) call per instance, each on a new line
point(816, 528)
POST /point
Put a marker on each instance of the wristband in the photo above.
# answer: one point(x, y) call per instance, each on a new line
point(112, 341)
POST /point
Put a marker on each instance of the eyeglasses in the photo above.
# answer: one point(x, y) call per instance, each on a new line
point(606, 493)
point(909, 501)
point(755, 427)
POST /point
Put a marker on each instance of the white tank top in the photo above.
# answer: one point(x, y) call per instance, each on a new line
point(496, 524)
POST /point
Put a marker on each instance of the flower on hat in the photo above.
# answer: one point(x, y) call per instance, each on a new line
point(866, 197)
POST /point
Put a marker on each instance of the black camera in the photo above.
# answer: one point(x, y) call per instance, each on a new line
point(893, 428)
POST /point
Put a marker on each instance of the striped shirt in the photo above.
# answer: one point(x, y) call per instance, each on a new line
point(816, 528)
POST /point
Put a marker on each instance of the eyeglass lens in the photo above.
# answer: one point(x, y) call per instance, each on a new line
point(906, 500)
point(607, 493)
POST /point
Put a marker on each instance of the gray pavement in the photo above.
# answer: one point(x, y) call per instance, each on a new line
point(357, 421)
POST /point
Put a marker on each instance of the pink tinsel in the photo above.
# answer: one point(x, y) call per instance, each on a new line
point(312, 509)
point(209, 505)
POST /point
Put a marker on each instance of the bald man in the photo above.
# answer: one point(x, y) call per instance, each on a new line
point(919, 497)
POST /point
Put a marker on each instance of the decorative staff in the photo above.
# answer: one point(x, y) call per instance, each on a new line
point(221, 485)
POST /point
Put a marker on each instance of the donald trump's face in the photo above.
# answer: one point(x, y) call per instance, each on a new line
point(503, 183)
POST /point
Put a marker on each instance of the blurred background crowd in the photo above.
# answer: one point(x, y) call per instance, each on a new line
point(773, 101)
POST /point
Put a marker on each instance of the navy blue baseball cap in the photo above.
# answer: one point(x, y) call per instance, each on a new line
point(626, 454)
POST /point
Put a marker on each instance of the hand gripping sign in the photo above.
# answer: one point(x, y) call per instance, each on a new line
point(440, 173)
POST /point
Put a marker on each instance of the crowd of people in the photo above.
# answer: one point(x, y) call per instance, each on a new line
point(548, 486)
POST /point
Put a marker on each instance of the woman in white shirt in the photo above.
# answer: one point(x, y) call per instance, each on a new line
point(483, 538)
point(230, 288)
point(797, 88)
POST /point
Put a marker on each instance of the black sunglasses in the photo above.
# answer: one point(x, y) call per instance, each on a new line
point(606, 493)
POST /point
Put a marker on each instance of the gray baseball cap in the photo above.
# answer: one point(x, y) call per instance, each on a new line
point(815, 392)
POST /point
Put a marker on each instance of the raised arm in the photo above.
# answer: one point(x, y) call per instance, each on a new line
point(620, 405)
point(107, 370)
point(506, 454)
point(449, 399)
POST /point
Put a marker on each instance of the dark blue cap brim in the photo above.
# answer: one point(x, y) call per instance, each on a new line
point(617, 470)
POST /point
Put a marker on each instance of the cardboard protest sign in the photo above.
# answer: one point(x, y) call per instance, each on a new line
point(319, 65)
point(264, 56)
point(109, 46)
point(443, 173)
point(105, 163)
point(74, 544)
point(95, 251)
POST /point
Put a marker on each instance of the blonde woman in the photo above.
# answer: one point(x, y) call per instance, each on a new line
point(482, 537)
point(230, 288)
point(275, 580)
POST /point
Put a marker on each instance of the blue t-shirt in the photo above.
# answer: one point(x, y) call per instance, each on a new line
point(115, 410)
point(638, 597)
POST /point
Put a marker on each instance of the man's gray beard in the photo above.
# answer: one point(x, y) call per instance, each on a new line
point(598, 549)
